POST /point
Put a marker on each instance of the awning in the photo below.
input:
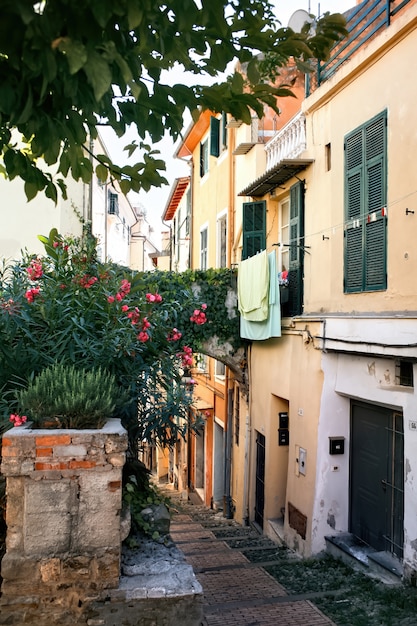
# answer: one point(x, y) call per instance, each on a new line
point(276, 176)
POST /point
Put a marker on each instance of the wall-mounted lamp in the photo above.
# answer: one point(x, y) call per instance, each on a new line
point(408, 211)
point(324, 237)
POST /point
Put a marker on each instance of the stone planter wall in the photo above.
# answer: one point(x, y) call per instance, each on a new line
point(64, 500)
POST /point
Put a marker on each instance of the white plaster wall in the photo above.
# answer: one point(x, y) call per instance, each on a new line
point(371, 379)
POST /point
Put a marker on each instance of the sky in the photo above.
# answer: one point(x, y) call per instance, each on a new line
point(155, 200)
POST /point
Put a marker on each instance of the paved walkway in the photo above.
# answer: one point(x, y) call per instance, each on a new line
point(236, 592)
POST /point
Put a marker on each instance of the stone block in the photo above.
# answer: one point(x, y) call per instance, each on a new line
point(47, 533)
point(117, 460)
point(18, 569)
point(73, 451)
point(50, 570)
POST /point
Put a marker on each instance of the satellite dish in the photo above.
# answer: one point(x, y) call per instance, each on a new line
point(298, 19)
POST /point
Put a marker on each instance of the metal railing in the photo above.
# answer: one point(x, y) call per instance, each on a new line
point(363, 23)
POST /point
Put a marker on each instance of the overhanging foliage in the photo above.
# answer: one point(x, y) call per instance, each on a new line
point(66, 67)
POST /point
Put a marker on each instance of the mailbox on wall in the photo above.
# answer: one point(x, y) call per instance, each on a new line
point(283, 432)
point(336, 445)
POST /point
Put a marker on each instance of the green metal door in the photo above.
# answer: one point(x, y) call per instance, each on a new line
point(377, 477)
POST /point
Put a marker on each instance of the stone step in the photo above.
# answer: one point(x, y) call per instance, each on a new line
point(381, 565)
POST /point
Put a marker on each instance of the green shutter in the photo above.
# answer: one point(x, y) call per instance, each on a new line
point(296, 243)
point(365, 197)
point(224, 130)
point(254, 228)
point(214, 136)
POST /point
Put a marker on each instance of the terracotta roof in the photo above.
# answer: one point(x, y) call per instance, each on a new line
point(177, 191)
point(193, 135)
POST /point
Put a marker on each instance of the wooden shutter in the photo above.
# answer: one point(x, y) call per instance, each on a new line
point(254, 228)
point(296, 243)
point(224, 130)
point(214, 136)
point(375, 199)
point(365, 201)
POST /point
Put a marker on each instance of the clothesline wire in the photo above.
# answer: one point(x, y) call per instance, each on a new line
point(330, 229)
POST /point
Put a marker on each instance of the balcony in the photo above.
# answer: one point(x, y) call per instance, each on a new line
point(283, 160)
point(288, 143)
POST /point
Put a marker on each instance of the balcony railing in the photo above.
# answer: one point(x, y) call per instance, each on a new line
point(363, 23)
point(288, 143)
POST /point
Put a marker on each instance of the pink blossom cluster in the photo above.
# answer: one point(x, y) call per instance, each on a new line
point(59, 244)
point(186, 356)
point(143, 335)
point(174, 335)
point(87, 281)
point(35, 269)
point(31, 294)
point(123, 291)
point(17, 420)
point(134, 315)
point(153, 297)
point(199, 317)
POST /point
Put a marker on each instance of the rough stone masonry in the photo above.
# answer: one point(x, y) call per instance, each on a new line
point(63, 544)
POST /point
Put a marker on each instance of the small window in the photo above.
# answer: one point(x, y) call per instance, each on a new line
point(202, 363)
point(113, 207)
point(220, 369)
point(222, 241)
point(404, 373)
point(204, 158)
point(203, 248)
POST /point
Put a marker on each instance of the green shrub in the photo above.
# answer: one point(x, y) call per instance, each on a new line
point(68, 397)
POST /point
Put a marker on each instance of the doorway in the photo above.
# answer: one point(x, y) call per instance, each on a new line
point(260, 480)
point(377, 477)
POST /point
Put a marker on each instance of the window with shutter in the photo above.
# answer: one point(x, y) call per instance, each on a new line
point(214, 136)
point(254, 228)
point(296, 251)
point(204, 158)
point(365, 207)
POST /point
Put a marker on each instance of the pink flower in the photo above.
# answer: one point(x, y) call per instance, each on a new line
point(174, 335)
point(125, 308)
point(35, 269)
point(87, 281)
point(134, 316)
point(143, 336)
point(119, 296)
point(125, 286)
point(17, 420)
point(110, 299)
point(204, 307)
point(199, 317)
point(31, 294)
point(153, 297)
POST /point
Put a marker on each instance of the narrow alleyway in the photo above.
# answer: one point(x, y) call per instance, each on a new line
point(237, 592)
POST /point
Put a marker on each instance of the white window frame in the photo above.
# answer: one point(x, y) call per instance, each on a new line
point(204, 251)
point(221, 219)
point(219, 370)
